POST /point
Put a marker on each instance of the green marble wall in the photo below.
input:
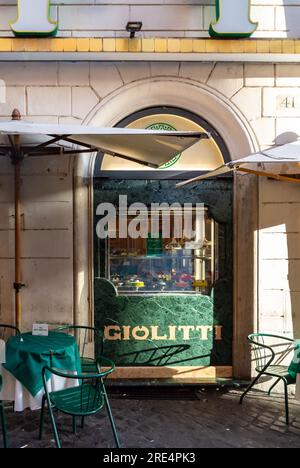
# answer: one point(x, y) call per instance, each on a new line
point(211, 343)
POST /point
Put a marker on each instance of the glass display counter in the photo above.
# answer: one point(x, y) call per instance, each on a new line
point(161, 264)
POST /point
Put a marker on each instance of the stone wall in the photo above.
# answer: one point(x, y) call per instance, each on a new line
point(174, 18)
point(266, 94)
point(47, 241)
point(279, 257)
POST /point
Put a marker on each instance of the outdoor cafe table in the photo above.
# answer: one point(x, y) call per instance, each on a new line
point(26, 355)
point(294, 368)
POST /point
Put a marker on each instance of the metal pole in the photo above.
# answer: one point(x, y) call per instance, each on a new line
point(18, 310)
point(17, 160)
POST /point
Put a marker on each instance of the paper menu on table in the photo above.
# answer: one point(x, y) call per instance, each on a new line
point(2, 352)
point(40, 329)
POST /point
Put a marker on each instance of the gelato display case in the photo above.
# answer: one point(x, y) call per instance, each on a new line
point(164, 262)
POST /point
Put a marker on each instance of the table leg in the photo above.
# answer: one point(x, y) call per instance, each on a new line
point(3, 424)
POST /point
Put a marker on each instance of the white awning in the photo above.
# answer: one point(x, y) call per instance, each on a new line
point(287, 154)
point(147, 147)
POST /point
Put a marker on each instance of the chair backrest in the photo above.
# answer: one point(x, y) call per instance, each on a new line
point(85, 337)
point(89, 394)
point(6, 331)
point(270, 349)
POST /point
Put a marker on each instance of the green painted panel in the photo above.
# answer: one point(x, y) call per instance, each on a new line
point(169, 329)
point(154, 246)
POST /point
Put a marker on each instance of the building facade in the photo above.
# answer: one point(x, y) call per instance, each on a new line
point(243, 90)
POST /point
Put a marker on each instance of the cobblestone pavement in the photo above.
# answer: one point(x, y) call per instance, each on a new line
point(171, 418)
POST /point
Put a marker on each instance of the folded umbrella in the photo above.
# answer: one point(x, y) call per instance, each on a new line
point(148, 147)
point(287, 154)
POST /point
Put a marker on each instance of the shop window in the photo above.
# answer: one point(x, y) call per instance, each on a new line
point(162, 261)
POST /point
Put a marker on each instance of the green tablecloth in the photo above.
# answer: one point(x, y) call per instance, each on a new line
point(294, 367)
point(26, 358)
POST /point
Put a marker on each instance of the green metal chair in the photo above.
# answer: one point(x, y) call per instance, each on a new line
point(269, 353)
point(85, 337)
point(2, 419)
point(86, 399)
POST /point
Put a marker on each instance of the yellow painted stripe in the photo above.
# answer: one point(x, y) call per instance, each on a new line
point(152, 45)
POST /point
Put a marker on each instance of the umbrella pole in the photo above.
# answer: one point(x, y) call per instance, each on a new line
point(18, 311)
point(17, 158)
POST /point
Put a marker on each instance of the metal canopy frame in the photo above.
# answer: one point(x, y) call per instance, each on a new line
point(269, 175)
point(16, 152)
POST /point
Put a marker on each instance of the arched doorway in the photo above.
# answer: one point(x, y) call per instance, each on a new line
point(166, 304)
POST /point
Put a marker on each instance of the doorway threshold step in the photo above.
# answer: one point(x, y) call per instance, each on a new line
point(225, 382)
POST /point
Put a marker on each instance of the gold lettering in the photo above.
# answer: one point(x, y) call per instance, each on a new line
point(141, 332)
point(112, 328)
point(154, 331)
point(218, 332)
point(137, 330)
point(204, 331)
point(172, 332)
point(126, 332)
point(186, 331)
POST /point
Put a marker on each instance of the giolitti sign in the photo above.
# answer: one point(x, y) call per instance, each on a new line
point(34, 19)
point(233, 19)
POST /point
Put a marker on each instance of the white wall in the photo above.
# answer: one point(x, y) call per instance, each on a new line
point(177, 18)
point(279, 257)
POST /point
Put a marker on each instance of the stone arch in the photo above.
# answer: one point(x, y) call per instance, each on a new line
point(182, 93)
